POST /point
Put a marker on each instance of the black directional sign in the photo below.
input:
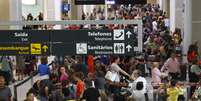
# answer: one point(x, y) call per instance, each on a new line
point(69, 42)
point(24, 42)
point(91, 36)
point(81, 35)
point(24, 49)
point(14, 49)
point(24, 36)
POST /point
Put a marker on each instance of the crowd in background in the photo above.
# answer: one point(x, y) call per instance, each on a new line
point(102, 78)
point(30, 17)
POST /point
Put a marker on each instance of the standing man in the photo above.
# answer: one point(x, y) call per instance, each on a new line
point(172, 66)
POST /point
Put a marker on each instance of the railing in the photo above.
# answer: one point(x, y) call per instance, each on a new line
point(30, 78)
point(70, 22)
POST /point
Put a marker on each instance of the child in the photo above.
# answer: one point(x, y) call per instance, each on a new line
point(173, 91)
point(80, 86)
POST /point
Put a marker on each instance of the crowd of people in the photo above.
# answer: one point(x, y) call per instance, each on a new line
point(106, 78)
point(30, 17)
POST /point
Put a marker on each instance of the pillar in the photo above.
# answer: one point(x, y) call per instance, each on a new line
point(15, 12)
point(5, 15)
point(187, 27)
point(196, 22)
point(73, 14)
point(52, 11)
point(164, 5)
point(176, 14)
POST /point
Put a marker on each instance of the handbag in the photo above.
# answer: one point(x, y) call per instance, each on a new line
point(112, 76)
point(108, 75)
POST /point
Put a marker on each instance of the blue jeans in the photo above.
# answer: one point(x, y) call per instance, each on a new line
point(42, 98)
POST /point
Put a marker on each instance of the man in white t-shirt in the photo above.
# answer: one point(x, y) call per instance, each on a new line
point(154, 25)
point(138, 87)
point(167, 22)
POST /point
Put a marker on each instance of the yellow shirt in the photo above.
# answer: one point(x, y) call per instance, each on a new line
point(173, 93)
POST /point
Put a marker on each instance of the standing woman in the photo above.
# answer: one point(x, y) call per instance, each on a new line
point(116, 70)
point(5, 92)
point(64, 76)
point(156, 78)
point(115, 67)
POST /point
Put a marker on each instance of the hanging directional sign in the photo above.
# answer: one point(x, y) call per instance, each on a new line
point(24, 49)
point(24, 42)
point(93, 35)
point(24, 36)
point(69, 42)
point(96, 42)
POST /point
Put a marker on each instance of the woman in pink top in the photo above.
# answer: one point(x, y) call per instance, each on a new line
point(63, 76)
point(156, 78)
point(156, 74)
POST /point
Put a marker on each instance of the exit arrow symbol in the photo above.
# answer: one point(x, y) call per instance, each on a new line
point(128, 47)
point(128, 34)
point(45, 48)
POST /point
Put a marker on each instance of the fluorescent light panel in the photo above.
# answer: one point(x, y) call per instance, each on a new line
point(29, 2)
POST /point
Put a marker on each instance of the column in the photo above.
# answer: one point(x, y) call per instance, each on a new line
point(172, 14)
point(176, 14)
point(49, 9)
point(79, 12)
point(57, 12)
point(15, 12)
point(5, 13)
point(73, 14)
point(187, 27)
point(164, 5)
point(196, 22)
point(52, 11)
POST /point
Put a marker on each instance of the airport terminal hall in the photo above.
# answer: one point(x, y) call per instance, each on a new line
point(100, 50)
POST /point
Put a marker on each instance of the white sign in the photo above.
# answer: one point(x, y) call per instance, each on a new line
point(128, 34)
point(118, 34)
point(81, 48)
point(128, 47)
point(119, 48)
point(110, 2)
point(28, 2)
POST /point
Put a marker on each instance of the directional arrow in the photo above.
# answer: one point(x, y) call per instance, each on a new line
point(128, 34)
point(128, 47)
point(45, 48)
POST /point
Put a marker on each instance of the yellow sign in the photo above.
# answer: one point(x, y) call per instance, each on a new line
point(35, 48)
point(45, 48)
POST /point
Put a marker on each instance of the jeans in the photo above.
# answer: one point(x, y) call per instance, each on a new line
point(42, 98)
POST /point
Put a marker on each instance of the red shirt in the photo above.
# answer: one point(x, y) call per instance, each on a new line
point(90, 62)
point(191, 56)
point(80, 88)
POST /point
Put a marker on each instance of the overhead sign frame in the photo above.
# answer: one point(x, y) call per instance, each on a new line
point(49, 45)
